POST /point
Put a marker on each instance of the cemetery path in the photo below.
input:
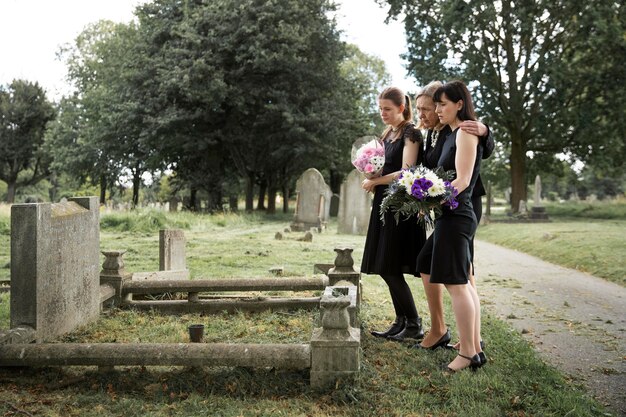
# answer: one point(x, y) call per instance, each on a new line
point(575, 321)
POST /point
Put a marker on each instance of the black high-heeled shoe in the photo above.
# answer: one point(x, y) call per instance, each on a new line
point(474, 364)
point(483, 359)
point(396, 327)
point(442, 342)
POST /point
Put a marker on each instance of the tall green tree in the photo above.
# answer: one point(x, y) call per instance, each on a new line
point(248, 89)
point(187, 93)
point(108, 68)
point(24, 115)
point(540, 69)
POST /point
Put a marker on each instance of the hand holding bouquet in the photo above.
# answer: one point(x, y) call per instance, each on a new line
point(417, 192)
point(369, 158)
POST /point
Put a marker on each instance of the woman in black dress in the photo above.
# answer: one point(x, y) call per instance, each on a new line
point(390, 248)
point(455, 229)
point(439, 336)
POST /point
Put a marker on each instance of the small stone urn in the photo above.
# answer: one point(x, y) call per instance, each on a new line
point(113, 264)
point(343, 261)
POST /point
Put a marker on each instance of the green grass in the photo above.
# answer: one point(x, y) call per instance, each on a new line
point(615, 209)
point(595, 247)
point(5, 310)
point(394, 380)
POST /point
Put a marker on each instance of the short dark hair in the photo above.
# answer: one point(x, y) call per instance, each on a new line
point(455, 91)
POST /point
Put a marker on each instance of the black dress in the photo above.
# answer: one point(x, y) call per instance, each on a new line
point(391, 248)
point(430, 159)
point(454, 230)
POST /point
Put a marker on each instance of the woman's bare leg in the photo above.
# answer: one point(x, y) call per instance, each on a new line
point(465, 313)
point(434, 297)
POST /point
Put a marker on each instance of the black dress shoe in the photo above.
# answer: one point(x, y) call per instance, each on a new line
point(442, 342)
point(396, 327)
point(412, 330)
point(473, 365)
point(483, 358)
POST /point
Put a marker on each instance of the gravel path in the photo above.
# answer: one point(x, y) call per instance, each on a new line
point(576, 321)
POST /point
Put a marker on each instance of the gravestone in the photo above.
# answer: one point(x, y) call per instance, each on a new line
point(312, 201)
point(507, 195)
point(355, 206)
point(172, 261)
point(173, 203)
point(538, 211)
point(55, 265)
point(537, 194)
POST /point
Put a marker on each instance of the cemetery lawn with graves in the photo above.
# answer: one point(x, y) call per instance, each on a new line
point(394, 380)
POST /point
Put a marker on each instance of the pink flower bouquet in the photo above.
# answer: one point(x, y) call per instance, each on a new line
point(370, 158)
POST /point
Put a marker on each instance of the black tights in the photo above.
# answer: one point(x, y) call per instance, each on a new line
point(401, 296)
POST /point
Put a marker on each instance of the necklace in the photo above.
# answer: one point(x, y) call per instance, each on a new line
point(434, 137)
point(395, 129)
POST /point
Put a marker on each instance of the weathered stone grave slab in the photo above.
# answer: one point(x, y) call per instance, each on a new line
point(55, 284)
point(172, 261)
point(313, 201)
point(355, 206)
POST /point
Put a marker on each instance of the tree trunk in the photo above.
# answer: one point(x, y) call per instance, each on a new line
point(11, 191)
point(250, 193)
point(192, 199)
point(286, 199)
point(215, 200)
point(136, 184)
point(335, 181)
point(103, 188)
point(271, 199)
point(260, 205)
point(233, 201)
point(518, 172)
point(54, 187)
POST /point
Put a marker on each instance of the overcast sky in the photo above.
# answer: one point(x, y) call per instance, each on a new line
point(31, 32)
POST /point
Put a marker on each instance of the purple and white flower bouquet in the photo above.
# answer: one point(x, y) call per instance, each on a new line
point(420, 192)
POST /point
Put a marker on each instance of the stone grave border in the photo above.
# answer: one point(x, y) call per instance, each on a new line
point(332, 354)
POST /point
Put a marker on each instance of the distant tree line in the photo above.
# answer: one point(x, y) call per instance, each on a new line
point(232, 97)
point(236, 98)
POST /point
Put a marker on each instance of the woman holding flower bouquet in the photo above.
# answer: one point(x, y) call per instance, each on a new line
point(390, 250)
point(454, 230)
point(439, 336)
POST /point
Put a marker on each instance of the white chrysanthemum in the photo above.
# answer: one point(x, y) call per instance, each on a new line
point(377, 161)
point(408, 178)
point(438, 188)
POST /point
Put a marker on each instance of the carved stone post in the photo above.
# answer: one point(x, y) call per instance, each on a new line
point(114, 274)
point(343, 270)
point(335, 345)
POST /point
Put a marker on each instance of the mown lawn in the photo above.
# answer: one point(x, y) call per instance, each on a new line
point(394, 380)
point(593, 246)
